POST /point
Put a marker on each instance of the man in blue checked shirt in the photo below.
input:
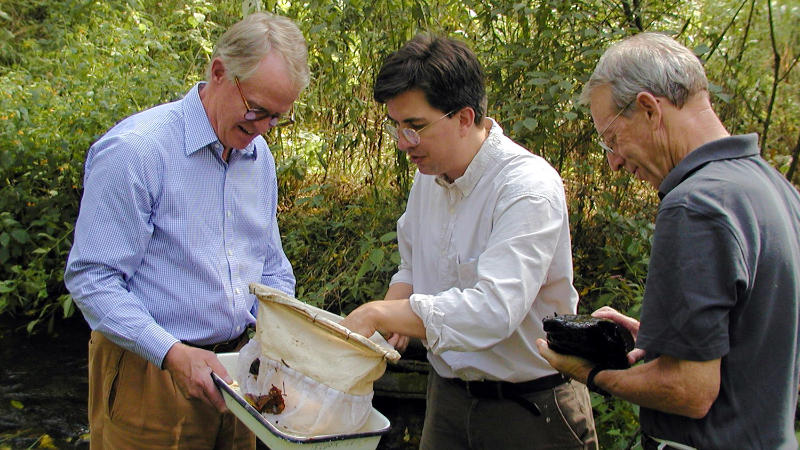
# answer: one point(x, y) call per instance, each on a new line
point(178, 216)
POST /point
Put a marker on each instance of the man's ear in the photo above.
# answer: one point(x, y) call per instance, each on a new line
point(217, 71)
point(466, 118)
point(651, 105)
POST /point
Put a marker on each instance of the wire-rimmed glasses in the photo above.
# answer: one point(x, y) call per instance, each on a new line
point(411, 135)
point(601, 140)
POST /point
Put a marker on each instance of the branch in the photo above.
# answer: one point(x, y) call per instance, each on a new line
point(795, 157)
point(746, 33)
point(631, 17)
point(791, 66)
point(776, 57)
point(721, 35)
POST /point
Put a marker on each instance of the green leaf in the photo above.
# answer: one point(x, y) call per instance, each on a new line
point(16, 404)
point(20, 235)
point(701, 49)
point(530, 123)
point(376, 257)
point(67, 305)
point(390, 236)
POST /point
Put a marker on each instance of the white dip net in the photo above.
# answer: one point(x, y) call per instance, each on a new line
point(314, 375)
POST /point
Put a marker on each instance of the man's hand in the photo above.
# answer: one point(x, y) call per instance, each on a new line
point(191, 369)
point(573, 366)
point(629, 323)
point(393, 318)
point(362, 320)
point(398, 341)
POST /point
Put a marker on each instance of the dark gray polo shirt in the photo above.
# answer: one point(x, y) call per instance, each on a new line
point(724, 282)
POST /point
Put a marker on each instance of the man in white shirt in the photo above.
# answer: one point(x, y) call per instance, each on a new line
point(485, 255)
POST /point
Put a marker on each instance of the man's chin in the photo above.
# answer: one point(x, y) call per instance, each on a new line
point(426, 170)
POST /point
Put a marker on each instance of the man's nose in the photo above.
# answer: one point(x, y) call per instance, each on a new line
point(263, 125)
point(615, 161)
point(402, 143)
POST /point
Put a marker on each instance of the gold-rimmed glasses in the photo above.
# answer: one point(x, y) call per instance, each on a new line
point(411, 135)
point(261, 114)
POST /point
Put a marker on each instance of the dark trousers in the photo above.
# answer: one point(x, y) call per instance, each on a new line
point(456, 420)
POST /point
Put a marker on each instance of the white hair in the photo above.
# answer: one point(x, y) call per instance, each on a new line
point(649, 62)
point(248, 41)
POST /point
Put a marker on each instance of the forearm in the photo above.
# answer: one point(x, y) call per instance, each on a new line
point(385, 316)
point(686, 388)
point(399, 291)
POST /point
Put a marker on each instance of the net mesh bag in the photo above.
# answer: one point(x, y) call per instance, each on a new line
point(317, 374)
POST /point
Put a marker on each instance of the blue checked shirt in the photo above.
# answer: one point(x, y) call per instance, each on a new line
point(169, 235)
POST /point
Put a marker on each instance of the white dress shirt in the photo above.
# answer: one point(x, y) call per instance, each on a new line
point(488, 257)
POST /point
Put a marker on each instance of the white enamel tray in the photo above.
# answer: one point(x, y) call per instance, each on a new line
point(366, 438)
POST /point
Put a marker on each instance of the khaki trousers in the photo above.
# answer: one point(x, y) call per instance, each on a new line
point(135, 405)
point(454, 420)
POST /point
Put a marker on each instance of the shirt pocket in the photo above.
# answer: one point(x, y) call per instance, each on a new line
point(467, 272)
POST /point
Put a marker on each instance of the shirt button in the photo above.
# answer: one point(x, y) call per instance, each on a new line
point(230, 252)
point(238, 291)
point(228, 213)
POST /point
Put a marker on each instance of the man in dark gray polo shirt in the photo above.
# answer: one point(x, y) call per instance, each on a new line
point(720, 314)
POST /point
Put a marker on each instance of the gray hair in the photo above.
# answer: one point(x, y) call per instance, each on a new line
point(248, 41)
point(649, 62)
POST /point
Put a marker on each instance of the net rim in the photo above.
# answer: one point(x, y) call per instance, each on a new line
point(272, 295)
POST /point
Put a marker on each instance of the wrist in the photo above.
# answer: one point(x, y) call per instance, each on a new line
point(591, 384)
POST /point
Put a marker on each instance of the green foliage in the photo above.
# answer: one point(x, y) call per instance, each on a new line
point(344, 251)
point(69, 70)
point(616, 421)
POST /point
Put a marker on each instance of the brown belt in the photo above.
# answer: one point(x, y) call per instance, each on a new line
point(228, 346)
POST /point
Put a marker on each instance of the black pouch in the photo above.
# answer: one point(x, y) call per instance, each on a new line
point(600, 341)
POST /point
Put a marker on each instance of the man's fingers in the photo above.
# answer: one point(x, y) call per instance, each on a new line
point(213, 397)
point(544, 349)
point(217, 367)
point(398, 341)
point(629, 323)
point(635, 355)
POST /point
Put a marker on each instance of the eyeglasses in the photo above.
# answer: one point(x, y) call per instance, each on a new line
point(411, 135)
point(259, 114)
point(601, 141)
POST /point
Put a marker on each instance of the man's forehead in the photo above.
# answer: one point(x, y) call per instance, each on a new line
point(601, 104)
point(409, 107)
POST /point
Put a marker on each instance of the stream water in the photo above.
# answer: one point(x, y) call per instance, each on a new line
point(43, 393)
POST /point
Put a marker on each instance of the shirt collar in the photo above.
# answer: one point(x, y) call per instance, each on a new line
point(731, 147)
point(199, 133)
point(477, 167)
